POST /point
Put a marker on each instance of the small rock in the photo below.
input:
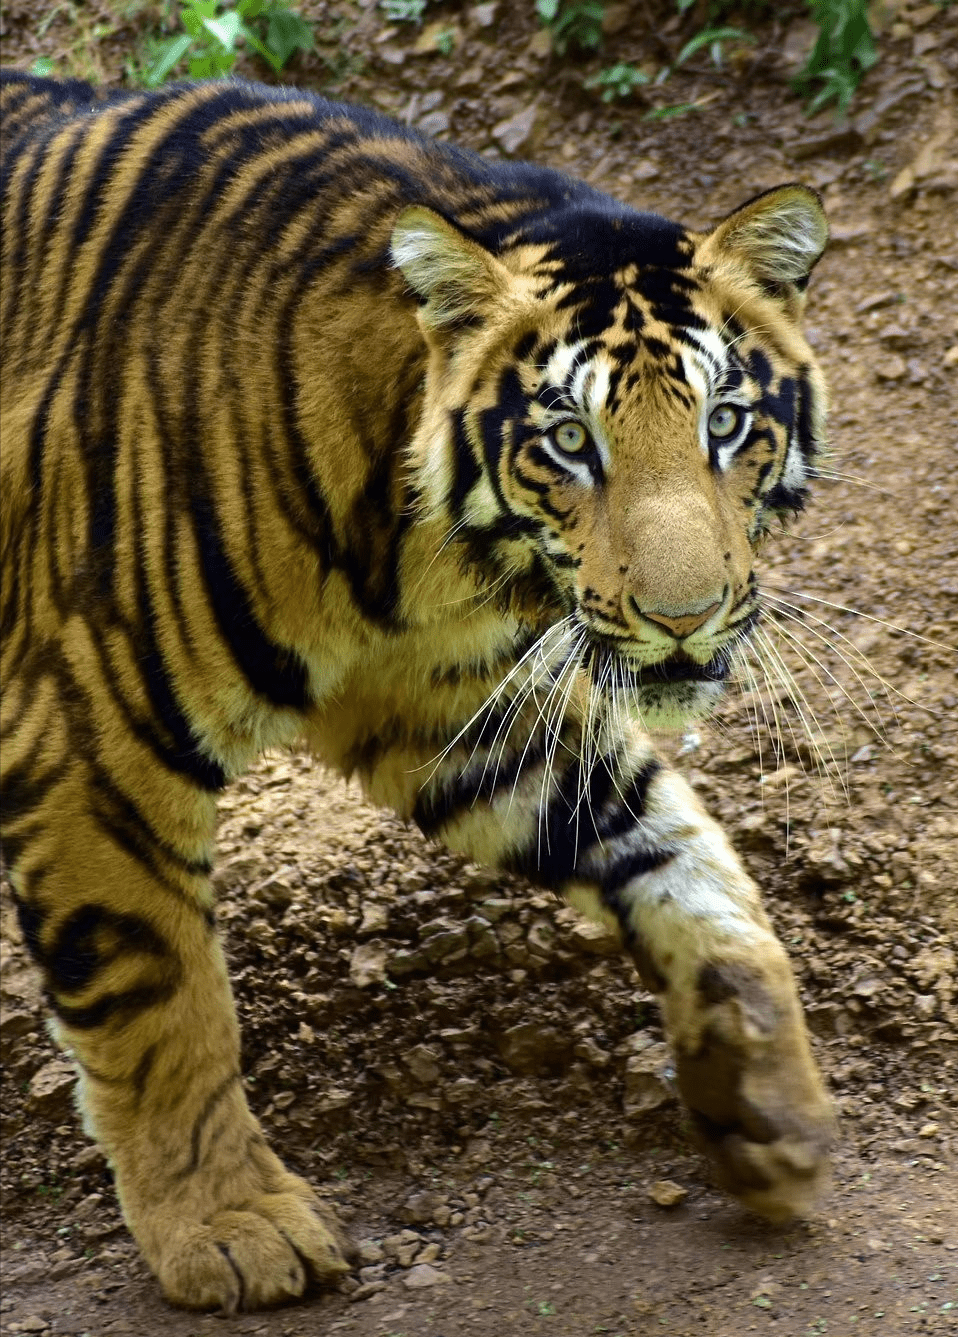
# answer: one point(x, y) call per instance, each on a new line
point(370, 1253)
point(367, 965)
point(513, 133)
point(645, 1085)
point(14, 1025)
point(423, 1064)
point(375, 920)
point(422, 1276)
point(34, 1324)
point(595, 939)
point(902, 184)
point(666, 1193)
point(421, 1208)
point(366, 1291)
point(484, 16)
point(530, 1047)
point(891, 368)
point(51, 1088)
point(436, 36)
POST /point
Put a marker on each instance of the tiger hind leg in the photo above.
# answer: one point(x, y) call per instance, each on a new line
point(138, 984)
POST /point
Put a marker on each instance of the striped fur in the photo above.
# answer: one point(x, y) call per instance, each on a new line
point(314, 429)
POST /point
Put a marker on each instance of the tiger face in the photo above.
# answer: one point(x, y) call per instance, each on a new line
point(624, 434)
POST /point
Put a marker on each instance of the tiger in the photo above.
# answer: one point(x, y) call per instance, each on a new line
point(451, 469)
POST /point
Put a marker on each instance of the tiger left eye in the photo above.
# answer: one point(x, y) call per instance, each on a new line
point(571, 437)
point(724, 421)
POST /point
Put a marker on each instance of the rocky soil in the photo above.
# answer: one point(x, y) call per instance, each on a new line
point(472, 1074)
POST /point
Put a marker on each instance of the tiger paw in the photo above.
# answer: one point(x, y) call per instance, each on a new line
point(259, 1254)
point(747, 1074)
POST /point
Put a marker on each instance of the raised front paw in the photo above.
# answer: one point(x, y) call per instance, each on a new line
point(746, 1072)
point(261, 1252)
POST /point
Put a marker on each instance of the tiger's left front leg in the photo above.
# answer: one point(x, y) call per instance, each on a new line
point(626, 840)
point(120, 920)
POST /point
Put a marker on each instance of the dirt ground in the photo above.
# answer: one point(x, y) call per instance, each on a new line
point(471, 1074)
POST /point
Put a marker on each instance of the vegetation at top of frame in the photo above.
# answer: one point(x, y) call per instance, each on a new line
point(213, 35)
point(843, 52)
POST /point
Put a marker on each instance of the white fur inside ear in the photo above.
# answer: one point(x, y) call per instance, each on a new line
point(452, 272)
point(781, 235)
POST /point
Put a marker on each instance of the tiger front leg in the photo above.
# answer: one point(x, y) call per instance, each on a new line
point(627, 842)
point(138, 984)
point(700, 939)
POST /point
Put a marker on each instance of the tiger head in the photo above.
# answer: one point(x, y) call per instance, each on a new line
point(616, 410)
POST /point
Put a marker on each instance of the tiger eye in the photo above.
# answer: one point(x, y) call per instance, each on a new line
point(724, 421)
point(571, 437)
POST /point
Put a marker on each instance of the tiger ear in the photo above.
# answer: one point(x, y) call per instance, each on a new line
point(456, 277)
point(779, 236)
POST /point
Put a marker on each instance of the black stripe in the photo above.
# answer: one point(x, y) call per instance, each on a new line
point(81, 948)
point(625, 868)
point(201, 1121)
point(466, 468)
point(121, 1008)
point(141, 1073)
point(120, 819)
point(273, 671)
point(31, 918)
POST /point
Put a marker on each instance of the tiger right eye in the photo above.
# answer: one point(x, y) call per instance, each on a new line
point(571, 437)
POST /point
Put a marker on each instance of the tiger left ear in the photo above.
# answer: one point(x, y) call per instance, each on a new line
point(779, 236)
point(455, 276)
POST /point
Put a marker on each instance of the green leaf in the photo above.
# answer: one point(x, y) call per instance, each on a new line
point(261, 49)
point(709, 35)
point(168, 55)
point(42, 67)
point(192, 22)
point(547, 10)
point(287, 32)
point(227, 29)
point(200, 67)
point(665, 113)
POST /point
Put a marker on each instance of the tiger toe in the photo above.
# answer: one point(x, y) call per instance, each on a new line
point(263, 1255)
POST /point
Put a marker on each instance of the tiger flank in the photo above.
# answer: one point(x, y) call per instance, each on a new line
point(316, 430)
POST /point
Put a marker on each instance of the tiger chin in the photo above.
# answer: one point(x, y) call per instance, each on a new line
point(315, 429)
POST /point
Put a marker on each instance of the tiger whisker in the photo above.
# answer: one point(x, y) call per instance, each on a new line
point(491, 700)
point(869, 617)
point(802, 616)
point(814, 732)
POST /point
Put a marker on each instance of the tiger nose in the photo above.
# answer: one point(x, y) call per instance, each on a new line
point(682, 624)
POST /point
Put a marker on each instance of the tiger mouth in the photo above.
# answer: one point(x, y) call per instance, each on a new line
point(677, 668)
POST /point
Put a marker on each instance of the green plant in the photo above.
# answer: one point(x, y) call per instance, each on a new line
point(713, 39)
point(213, 35)
point(572, 23)
point(618, 81)
point(843, 53)
point(403, 11)
point(446, 41)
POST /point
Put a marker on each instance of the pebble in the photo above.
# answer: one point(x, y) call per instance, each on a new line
point(423, 1276)
point(517, 130)
point(666, 1193)
point(51, 1089)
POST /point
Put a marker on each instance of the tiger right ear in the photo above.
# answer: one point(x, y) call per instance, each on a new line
point(455, 276)
point(779, 236)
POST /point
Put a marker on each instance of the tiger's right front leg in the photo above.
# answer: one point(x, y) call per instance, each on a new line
point(119, 917)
